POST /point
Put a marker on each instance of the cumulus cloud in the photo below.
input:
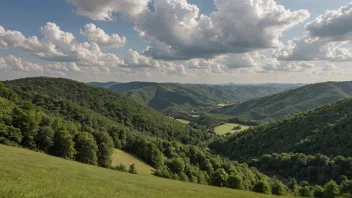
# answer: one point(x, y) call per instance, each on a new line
point(176, 31)
point(105, 9)
point(61, 46)
point(327, 35)
point(9, 38)
point(135, 60)
point(98, 36)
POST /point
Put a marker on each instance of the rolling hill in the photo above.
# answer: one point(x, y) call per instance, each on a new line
point(279, 105)
point(172, 98)
point(26, 173)
point(312, 146)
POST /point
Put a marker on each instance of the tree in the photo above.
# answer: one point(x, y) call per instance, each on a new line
point(262, 187)
point(331, 190)
point(318, 191)
point(45, 138)
point(132, 169)
point(219, 178)
point(278, 188)
point(235, 182)
point(63, 145)
point(305, 191)
point(105, 148)
point(121, 167)
point(177, 165)
point(86, 148)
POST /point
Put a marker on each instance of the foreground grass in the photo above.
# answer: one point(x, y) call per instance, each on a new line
point(25, 173)
point(121, 157)
point(225, 128)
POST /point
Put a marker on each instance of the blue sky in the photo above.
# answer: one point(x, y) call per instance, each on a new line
point(181, 65)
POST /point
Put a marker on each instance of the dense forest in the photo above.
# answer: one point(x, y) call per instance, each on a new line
point(279, 105)
point(312, 147)
point(173, 98)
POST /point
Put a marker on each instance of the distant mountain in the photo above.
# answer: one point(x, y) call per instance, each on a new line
point(104, 85)
point(173, 97)
point(289, 102)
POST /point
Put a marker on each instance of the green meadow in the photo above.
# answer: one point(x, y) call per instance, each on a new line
point(229, 127)
point(25, 173)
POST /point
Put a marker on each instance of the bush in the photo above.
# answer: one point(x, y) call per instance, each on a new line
point(132, 169)
point(262, 187)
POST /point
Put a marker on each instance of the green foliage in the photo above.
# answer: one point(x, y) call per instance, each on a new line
point(318, 191)
point(105, 148)
point(86, 148)
point(132, 169)
point(64, 145)
point(235, 182)
point(331, 190)
point(219, 178)
point(262, 187)
point(278, 188)
point(277, 106)
point(121, 167)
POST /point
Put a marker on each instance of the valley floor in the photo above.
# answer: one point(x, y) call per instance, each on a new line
point(25, 173)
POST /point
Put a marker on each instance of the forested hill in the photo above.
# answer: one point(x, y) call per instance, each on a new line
point(59, 94)
point(289, 102)
point(326, 130)
point(172, 97)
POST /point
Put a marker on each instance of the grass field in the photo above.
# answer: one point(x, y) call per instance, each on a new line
point(223, 129)
point(25, 173)
point(183, 121)
point(121, 157)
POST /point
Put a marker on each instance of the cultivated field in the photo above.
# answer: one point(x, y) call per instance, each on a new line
point(121, 157)
point(229, 127)
point(25, 173)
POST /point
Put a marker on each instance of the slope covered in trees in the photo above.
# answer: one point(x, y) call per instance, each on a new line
point(289, 102)
point(65, 119)
point(313, 146)
point(172, 98)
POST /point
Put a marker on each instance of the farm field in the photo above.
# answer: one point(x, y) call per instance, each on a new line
point(25, 173)
point(121, 157)
point(229, 127)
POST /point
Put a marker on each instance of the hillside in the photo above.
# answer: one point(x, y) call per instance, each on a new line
point(118, 108)
point(314, 146)
point(174, 98)
point(73, 121)
point(289, 102)
point(29, 174)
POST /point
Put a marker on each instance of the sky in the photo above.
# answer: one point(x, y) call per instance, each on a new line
point(187, 41)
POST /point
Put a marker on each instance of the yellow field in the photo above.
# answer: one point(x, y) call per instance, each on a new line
point(223, 129)
point(121, 157)
point(27, 174)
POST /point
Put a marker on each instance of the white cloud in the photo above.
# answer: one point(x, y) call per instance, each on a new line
point(17, 64)
point(176, 31)
point(98, 36)
point(9, 38)
point(134, 60)
point(105, 9)
point(326, 37)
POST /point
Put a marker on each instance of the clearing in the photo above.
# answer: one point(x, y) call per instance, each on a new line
point(25, 173)
point(121, 157)
point(229, 127)
point(183, 121)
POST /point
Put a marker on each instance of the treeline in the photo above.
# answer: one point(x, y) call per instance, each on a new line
point(318, 169)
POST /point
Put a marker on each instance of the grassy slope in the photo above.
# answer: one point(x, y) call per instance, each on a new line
point(282, 104)
point(25, 173)
point(223, 129)
point(183, 121)
point(121, 157)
